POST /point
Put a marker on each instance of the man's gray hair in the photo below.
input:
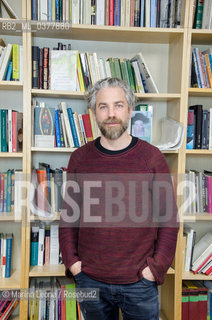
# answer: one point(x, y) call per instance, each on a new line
point(109, 83)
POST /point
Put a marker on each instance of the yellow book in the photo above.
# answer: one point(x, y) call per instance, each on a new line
point(79, 73)
point(15, 59)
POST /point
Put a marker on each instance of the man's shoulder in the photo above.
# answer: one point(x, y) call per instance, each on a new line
point(83, 151)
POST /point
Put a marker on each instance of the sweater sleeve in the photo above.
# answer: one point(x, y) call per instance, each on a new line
point(165, 215)
point(69, 219)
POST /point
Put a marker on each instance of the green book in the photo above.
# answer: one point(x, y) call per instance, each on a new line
point(124, 72)
point(71, 303)
point(112, 67)
point(117, 68)
point(9, 190)
point(130, 73)
point(3, 130)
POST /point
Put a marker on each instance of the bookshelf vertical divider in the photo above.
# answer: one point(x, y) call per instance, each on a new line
point(179, 63)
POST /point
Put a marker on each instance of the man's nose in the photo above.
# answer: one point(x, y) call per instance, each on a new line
point(111, 112)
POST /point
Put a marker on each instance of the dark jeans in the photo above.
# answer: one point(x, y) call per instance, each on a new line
point(137, 301)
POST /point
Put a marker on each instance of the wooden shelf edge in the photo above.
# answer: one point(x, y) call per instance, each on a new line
point(171, 271)
point(197, 217)
point(11, 85)
point(199, 151)
point(35, 149)
point(13, 282)
point(47, 270)
point(81, 95)
point(189, 275)
point(11, 154)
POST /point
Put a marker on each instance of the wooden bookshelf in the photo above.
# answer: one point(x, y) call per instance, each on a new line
point(191, 276)
point(11, 85)
point(13, 282)
point(47, 270)
point(11, 154)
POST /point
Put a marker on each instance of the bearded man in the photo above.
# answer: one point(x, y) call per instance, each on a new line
point(118, 227)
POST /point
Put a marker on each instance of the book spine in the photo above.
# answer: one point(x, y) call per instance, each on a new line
point(35, 67)
point(117, 12)
point(57, 129)
point(34, 9)
point(15, 60)
point(111, 12)
point(73, 129)
point(8, 257)
point(45, 68)
point(3, 130)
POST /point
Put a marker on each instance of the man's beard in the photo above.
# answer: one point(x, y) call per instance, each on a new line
point(113, 133)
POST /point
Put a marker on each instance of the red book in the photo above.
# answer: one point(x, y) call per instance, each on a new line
point(204, 262)
point(87, 127)
point(14, 131)
point(132, 13)
point(111, 12)
point(208, 272)
point(185, 301)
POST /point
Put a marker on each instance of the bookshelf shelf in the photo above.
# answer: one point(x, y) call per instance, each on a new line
point(11, 154)
point(6, 216)
point(191, 276)
point(47, 270)
point(107, 33)
point(162, 316)
point(11, 85)
point(57, 93)
point(197, 217)
point(200, 92)
point(34, 149)
point(199, 151)
point(201, 36)
point(80, 95)
point(11, 283)
point(56, 216)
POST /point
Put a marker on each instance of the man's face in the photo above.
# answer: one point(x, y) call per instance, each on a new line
point(112, 112)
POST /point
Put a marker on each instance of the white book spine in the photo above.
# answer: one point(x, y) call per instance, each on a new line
point(138, 77)
point(127, 15)
point(76, 126)
point(43, 10)
point(147, 13)
point(82, 128)
point(41, 246)
point(88, 12)
point(75, 11)
point(123, 7)
point(54, 244)
point(10, 139)
point(96, 65)
point(107, 65)
point(100, 12)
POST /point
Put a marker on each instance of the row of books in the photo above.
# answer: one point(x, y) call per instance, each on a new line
point(198, 255)
point(134, 13)
point(53, 298)
point(199, 128)
point(11, 130)
point(202, 14)
point(44, 245)
point(48, 189)
point(61, 127)
point(11, 192)
point(201, 68)
point(7, 307)
point(73, 71)
point(11, 62)
point(6, 244)
point(196, 300)
point(198, 191)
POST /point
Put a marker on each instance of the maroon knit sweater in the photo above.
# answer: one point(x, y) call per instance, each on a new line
point(118, 254)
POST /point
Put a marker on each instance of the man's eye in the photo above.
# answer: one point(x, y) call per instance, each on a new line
point(119, 106)
point(102, 107)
